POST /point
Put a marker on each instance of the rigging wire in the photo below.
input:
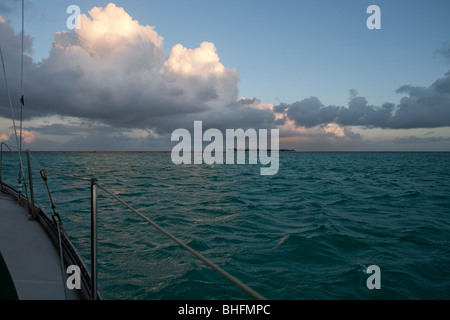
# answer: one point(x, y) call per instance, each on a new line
point(212, 265)
point(14, 122)
point(208, 262)
point(22, 100)
point(202, 258)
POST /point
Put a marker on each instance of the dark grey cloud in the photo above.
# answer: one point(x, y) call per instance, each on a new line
point(73, 129)
point(444, 51)
point(8, 6)
point(311, 112)
point(12, 51)
point(417, 140)
point(127, 82)
point(422, 107)
point(118, 83)
point(92, 136)
point(57, 129)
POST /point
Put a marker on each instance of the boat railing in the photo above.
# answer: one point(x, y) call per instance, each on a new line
point(95, 185)
point(68, 253)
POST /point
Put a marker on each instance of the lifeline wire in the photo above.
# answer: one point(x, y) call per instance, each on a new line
point(211, 264)
point(192, 251)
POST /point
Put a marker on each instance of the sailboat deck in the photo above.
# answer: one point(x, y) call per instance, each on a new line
point(32, 259)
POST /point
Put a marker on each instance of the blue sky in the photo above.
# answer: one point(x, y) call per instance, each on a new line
point(285, 52)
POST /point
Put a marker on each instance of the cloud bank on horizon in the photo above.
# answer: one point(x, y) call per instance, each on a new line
point(112, 75)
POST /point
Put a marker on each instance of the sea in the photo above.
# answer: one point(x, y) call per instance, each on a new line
point(309, 232)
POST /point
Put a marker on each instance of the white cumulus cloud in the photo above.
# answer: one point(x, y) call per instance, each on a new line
point(113, 70)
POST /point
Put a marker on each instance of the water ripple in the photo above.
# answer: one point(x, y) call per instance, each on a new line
point(306, 233)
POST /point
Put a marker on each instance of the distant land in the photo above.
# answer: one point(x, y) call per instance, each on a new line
point(280, 150)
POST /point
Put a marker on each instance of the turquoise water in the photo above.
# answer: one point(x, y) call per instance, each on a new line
point(308, 232)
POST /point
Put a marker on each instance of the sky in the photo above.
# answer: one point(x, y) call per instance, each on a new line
point(135, 71)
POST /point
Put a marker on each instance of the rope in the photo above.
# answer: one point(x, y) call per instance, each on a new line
point(209, 263)
point(57, 219)
point(14, 125)
point(22, 100)
point(192, 251)
point(44, 177)
point(37, 163)
point(21, 85)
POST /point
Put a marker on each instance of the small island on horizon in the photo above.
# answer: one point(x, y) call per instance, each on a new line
point(279, 150)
